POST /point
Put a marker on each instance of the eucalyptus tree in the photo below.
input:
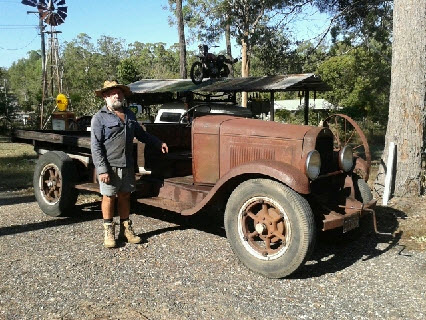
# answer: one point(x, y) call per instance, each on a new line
point(126, 71)
point(83, 73)
point(407, 110)
point(111, 51)
point(155, 60)
point(246, 20)
point(25, 78)
point(177, 8)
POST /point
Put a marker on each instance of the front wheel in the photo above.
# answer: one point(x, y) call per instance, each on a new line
point(270, 227)
point(54, 179)
point(197, 72)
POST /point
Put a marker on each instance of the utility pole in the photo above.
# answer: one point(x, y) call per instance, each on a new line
point(43, 63)
point(5, 98)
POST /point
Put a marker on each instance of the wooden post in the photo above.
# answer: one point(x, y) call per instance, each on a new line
point(306, 109)
point(271, 109)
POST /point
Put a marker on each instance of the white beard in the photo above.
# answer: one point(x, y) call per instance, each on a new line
point(116, 104)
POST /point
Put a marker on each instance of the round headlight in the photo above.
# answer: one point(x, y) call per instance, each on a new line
point(346, 158)
point(313, 164)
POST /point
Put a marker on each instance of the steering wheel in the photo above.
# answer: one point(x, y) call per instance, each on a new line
point(192, 110)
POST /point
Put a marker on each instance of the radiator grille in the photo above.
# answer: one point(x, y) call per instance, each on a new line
point(240, 155)
point(324, 146)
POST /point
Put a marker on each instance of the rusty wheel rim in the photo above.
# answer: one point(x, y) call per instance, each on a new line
point(347, 132)
point(50, 184)
point(264, 228)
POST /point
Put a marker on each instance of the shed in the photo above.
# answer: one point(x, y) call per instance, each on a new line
point(305, 82)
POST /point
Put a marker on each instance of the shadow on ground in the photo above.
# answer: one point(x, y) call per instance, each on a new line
point(209, 221)
point(334, 250)
point(16, 199)
point(84, 212)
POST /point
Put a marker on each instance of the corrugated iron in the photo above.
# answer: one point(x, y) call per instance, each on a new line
point(290, 82)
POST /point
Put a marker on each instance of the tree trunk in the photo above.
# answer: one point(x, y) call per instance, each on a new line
point(228, 44)
point(407, 98)
point(182, 43)
point(244, 68)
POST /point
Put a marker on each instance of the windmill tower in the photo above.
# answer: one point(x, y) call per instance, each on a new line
point(52, 13)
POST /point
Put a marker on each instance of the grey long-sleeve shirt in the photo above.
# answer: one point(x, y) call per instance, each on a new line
point(112, 140)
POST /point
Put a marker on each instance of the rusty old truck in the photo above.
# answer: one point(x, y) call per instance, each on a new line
point(276, 184)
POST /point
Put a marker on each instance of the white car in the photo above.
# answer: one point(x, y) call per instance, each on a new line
point(175, 112)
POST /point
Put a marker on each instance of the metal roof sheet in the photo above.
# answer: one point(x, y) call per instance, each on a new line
point(291, 82)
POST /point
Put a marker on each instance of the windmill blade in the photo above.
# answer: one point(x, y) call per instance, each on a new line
point(31, 3)
point(60, 3)
point(63, 15)
point(63, 9)
point(50, 5)
point(41, 6)
point(58, 20)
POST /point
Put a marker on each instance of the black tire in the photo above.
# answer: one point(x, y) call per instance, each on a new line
point(362, 191)
point(54, 181)
point(225, 72)
point(259, 209)
point(197, 72)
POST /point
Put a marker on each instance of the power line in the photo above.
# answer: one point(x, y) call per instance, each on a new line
point(12, 49)
point(9, 27)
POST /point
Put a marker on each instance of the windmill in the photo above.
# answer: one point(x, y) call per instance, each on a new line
point(52, 13)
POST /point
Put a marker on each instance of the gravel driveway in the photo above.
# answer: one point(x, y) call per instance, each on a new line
point(57, 268)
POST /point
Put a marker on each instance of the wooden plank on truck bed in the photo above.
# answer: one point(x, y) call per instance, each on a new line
point(69, 139)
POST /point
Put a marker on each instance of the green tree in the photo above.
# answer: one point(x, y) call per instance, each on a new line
point(154, 60)
point(111, 51)
point(360, 80)
point(83, 73)
point(25, 81)
point(127, 72)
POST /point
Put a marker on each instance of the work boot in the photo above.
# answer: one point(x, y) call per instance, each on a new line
point(109, 241)
point(127, 233)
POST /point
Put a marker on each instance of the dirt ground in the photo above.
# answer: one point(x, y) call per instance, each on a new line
point(411, 220)
point(405, 217)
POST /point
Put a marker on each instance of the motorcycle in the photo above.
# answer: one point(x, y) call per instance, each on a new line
point(209, 66)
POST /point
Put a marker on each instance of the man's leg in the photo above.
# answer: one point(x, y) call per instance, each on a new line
point(108, 204)
point(123, 205)
point(126, 229)
point(108, 216)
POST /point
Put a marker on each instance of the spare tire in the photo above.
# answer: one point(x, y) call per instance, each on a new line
point(54, 180)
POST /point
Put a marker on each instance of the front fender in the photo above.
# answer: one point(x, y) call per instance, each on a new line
point(285, 173)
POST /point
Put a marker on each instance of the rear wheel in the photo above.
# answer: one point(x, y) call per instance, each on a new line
point(54, 180)
point(197, 73)
point(270, 227)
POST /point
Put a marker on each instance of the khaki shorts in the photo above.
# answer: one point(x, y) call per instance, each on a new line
point(121, 180)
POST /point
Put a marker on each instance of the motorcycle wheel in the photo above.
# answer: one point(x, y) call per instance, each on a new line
point(225, 71)
point(197, 72)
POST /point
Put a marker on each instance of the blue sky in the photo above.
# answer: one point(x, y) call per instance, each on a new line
point(130, 20)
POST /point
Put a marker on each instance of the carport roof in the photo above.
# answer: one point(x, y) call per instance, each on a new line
point(290, 82)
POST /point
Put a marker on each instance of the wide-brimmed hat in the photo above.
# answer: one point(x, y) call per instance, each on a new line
point(110, 84)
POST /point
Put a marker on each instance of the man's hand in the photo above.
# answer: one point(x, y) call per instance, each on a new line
point(104, 177)
point(164, 148)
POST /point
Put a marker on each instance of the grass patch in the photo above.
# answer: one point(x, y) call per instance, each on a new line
point(17, 163)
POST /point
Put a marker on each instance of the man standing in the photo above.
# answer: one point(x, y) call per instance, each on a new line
point(112, 131)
